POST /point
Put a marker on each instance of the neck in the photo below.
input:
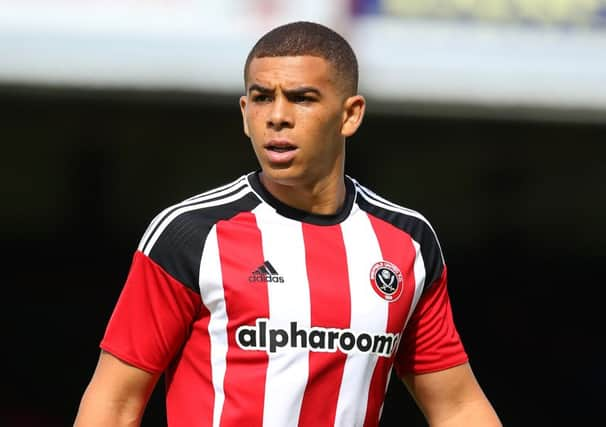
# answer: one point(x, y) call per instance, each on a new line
point(325, 197)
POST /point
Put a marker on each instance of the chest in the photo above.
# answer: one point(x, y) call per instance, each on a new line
point(289, 274)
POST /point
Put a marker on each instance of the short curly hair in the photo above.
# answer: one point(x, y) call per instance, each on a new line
point(309, 38)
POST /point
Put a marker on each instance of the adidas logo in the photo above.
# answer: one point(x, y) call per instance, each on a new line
point(266, 273)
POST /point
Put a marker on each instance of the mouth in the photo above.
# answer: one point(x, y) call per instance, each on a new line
point(280, 152)
point(280, 146)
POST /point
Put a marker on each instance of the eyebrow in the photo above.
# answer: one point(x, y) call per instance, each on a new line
point(289, 92)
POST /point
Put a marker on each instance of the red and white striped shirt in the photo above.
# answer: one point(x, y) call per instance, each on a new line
point(264, 315)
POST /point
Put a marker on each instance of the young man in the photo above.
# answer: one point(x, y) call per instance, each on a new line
point(286, 297)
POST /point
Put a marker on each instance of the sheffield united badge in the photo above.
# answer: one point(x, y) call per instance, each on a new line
point(386, 280)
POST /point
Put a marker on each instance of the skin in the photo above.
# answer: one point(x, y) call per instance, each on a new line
point(294, 101)
point(116, 395)
point(297, 118)
point(452, 398)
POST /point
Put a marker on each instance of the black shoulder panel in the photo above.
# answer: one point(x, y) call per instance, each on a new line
point(418, 229)
point(179, 248)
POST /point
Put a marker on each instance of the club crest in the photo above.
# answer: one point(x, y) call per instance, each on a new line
point(386, 280)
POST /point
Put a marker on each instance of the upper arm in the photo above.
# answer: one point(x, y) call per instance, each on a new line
point(116, 395)
point(451, 397)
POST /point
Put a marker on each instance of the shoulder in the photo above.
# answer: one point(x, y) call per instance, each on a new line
point(194, 216)
point(410, 221)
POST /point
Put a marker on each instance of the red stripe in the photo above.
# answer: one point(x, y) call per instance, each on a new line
point(432, 342)
point(190, 395)
point(170, 308)
point(241, 252)
point(150, 335)
point(397, 248)
point(328, 278)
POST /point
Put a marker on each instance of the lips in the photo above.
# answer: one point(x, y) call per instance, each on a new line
point(280, 145)
point(280, 151)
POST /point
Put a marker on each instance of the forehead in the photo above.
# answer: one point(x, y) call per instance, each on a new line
point(291, 71)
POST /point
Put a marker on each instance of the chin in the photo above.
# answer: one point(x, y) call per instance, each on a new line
point(283, 176)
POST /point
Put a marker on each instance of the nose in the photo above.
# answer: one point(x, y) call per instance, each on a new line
point(280, 115)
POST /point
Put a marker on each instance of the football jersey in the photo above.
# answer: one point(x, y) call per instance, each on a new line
point(260, 314)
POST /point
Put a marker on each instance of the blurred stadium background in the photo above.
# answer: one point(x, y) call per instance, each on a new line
point(489, 116)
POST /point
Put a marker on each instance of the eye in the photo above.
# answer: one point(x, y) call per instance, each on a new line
point(259, 98)
point(300, 99)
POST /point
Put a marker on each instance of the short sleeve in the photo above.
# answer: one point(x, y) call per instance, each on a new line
point(152, 317)
point(430, 341)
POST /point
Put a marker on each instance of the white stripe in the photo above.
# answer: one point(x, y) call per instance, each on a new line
point(218, 192)
point(369, 313)
point(211, 291)
point(201, 205)
point(385, 391)
point(374, 195)
point(420, 275)
point(287, 372)
point(161, 215)
point(215, 191)
point(419, 272)
point(151, 227)
point(379, 201)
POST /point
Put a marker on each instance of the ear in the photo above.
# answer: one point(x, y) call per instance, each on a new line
point(353, 112)
point(243, 101)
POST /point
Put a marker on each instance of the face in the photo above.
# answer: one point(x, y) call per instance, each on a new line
point(297, 118)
